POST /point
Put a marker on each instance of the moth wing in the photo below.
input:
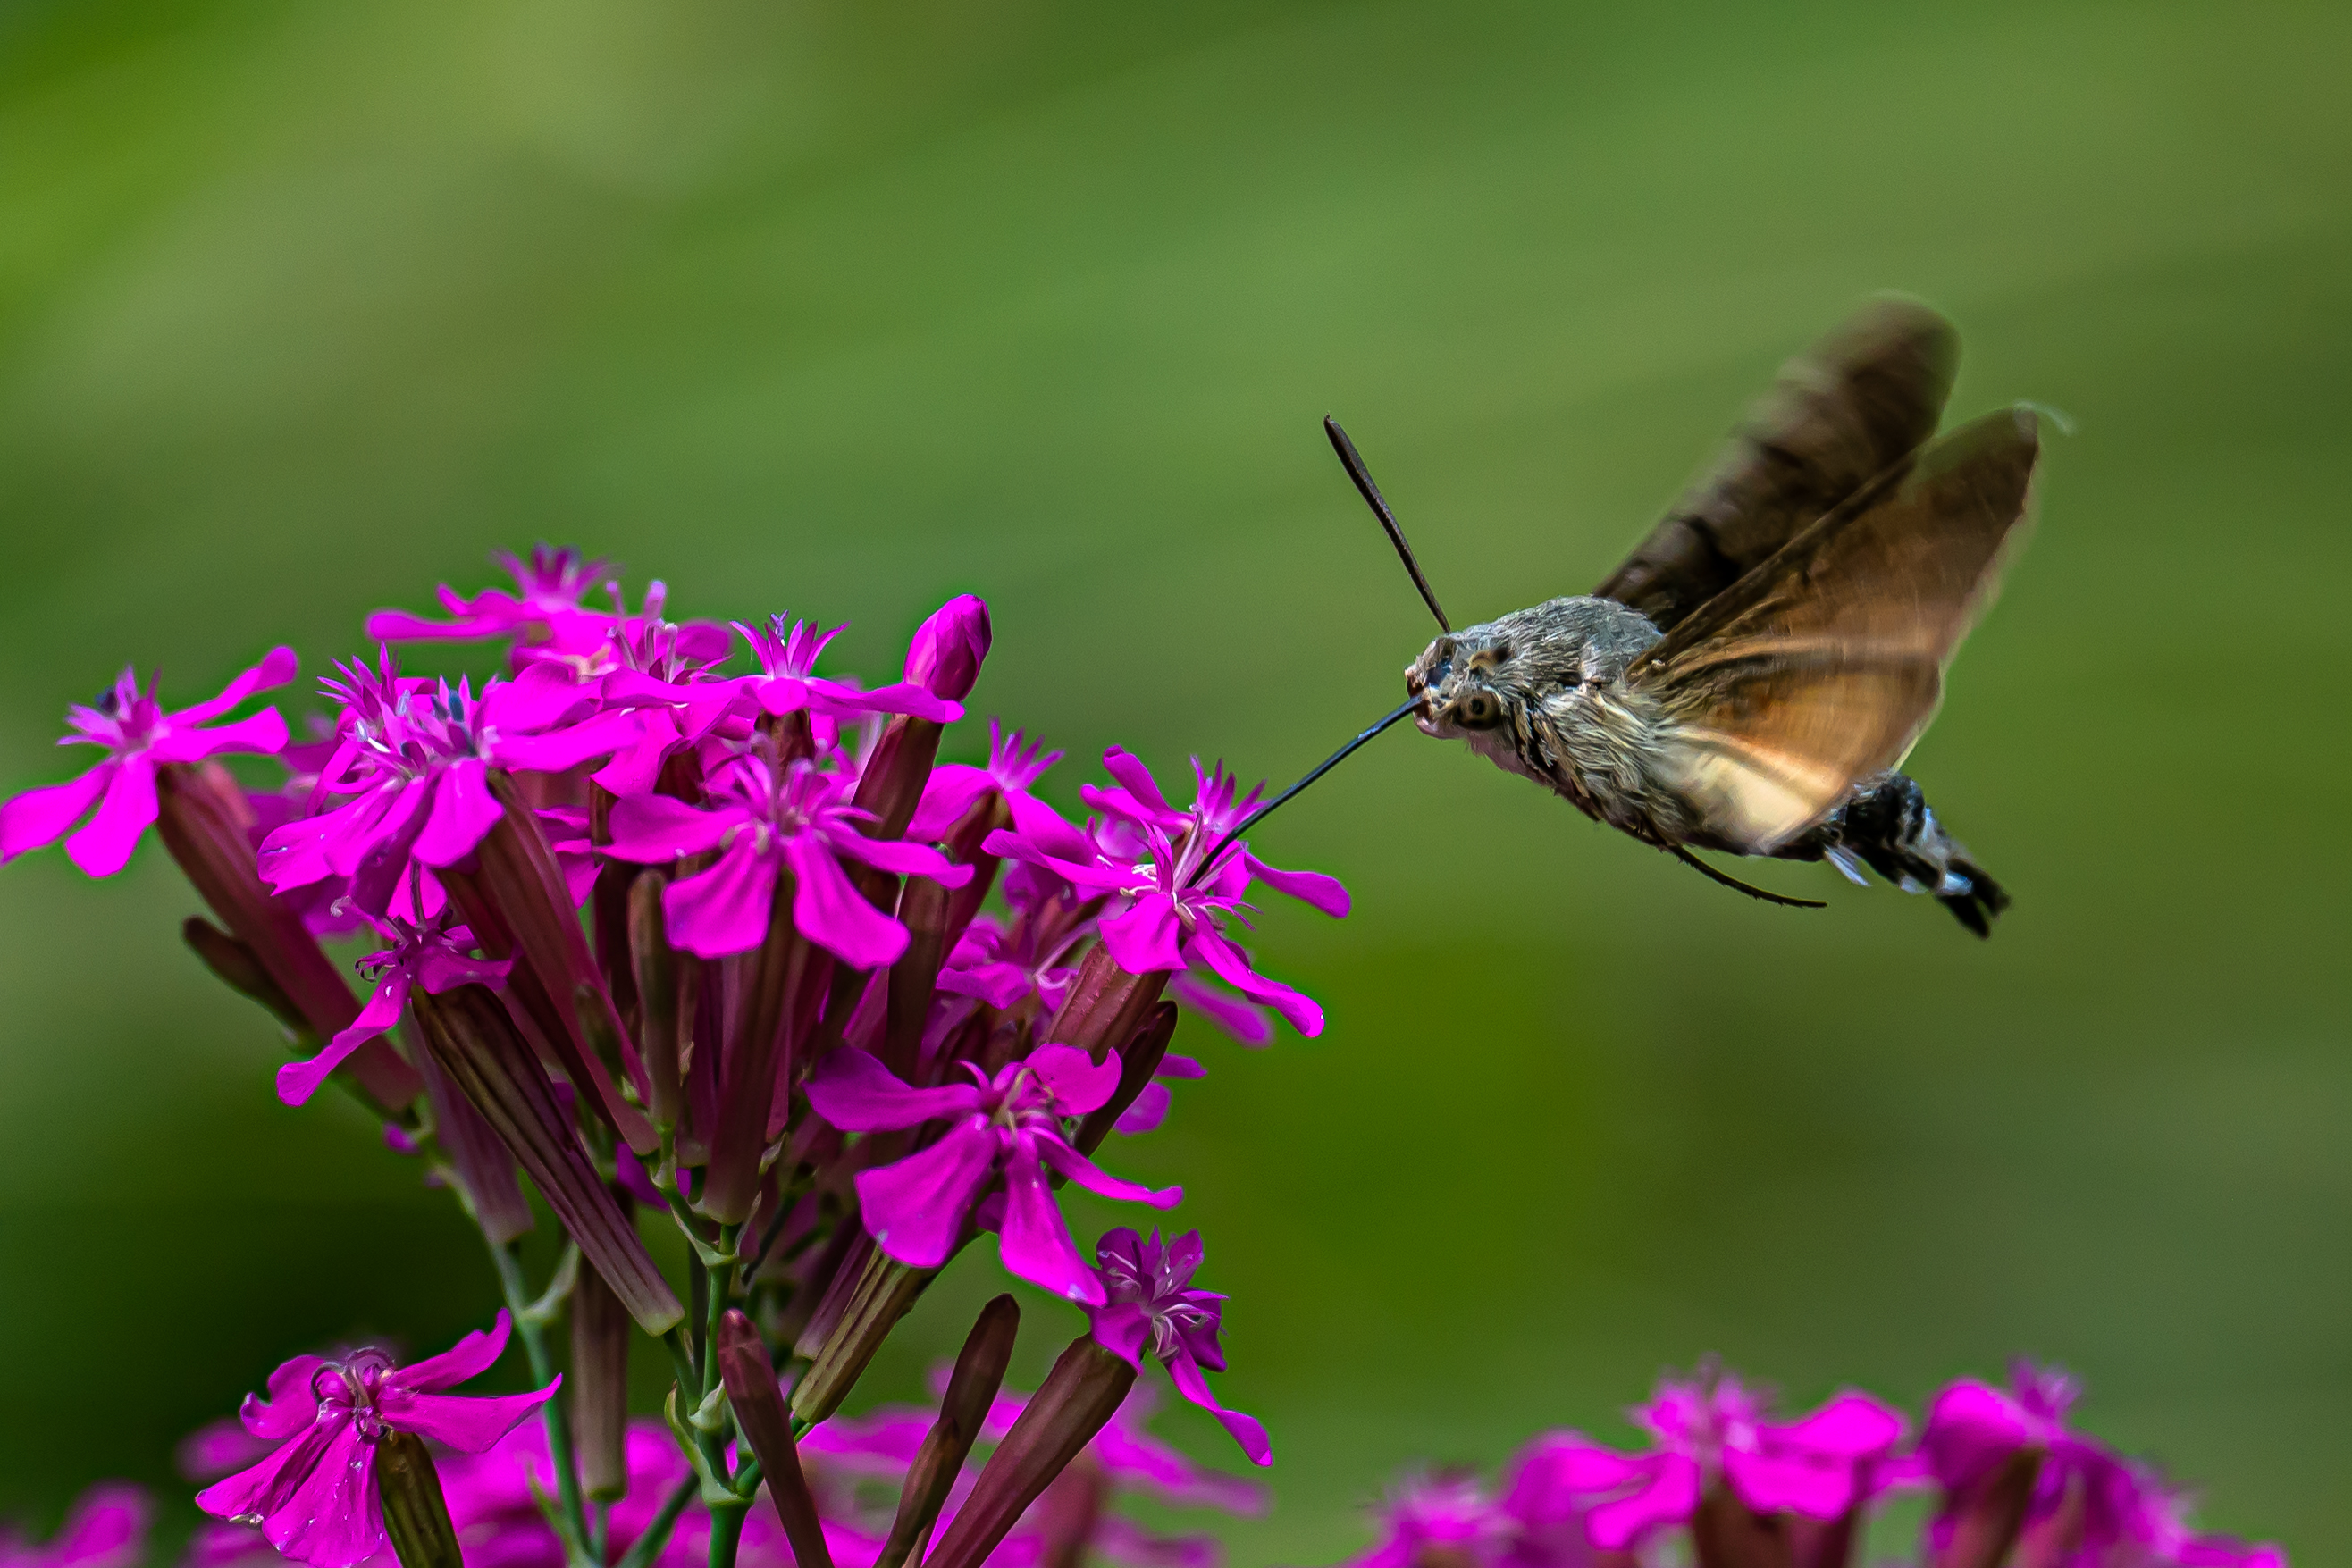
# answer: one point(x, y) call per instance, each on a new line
point(1824, 664)
point(1856, 402)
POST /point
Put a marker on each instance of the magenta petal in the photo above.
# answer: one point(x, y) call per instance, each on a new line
point(1852, 1425)
point(856, 1094)
point(1245, 1021)
point(915, 1209)
point(1046, 831)
point(1809, 1484)
point(652, 829)
point(1670, 1498)
point(464, 809)
point(469, 1358)
point(1123, 1328)
point(998, 985)
point(292, 1405)
point(469, 1424)
point(107, 1529)
point(40, 817)
point(262, 1489)
point(948, 794)
point(1245, 1429)
point(1083, 1172)
point(903, 859)
point(263, 732)
point(1136, 779)
point(1034, 1243)
point(1227, 962)
point(297, 1080)
point(1150, 1109)
point(103, 847)
point(277, 667)
point(333, 1521)
point(1309, 887)
point(1078, 1082)
point(635, 769)
point(725, 909)
point(830, 911)
point(560, 750)
point(1142, 939)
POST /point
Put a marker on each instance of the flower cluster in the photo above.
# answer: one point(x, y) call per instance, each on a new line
point(673, 916)
point(1726, 1483)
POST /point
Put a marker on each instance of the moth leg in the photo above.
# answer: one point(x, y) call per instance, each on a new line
point(1887, 823)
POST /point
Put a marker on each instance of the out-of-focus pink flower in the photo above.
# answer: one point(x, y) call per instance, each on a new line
point(138, 737)
point(1002, 1134)
point(760, 824)
point(106, 1528)
point(315, 1497)
point(1713, 1426)
point(1149, 1305)
point(1444, 1514)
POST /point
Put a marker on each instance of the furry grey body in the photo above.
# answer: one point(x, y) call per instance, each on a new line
point(1541, 693)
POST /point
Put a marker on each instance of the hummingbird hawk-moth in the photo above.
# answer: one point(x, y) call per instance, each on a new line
point(1751, 679)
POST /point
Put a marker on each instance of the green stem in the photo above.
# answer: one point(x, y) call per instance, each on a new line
point(559, 1424)
point(715, 1306)
point(726, 1531)
point(648, 1546)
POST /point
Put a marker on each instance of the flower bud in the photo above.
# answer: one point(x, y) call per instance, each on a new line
point(945, 656)
point(1105, 1004)
point(484, 1167)
point(415, 1515)
point(472, 1038)
point(234, 965)
point(599, 1383)
point(759, 1405)
point(979, 1373)
point(1077, 1399)
point(1138, 1059)
point(662, 1026)
point(879, 1295)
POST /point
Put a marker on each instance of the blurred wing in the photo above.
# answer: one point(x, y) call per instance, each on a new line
point(1823, 664)
point(1851, 406)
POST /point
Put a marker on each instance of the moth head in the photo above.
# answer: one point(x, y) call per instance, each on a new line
point(1463, 683)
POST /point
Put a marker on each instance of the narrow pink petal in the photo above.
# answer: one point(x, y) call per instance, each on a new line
point(1150, 1109)
point(1245, 1021)
point(333, 1521)
point(899, 697)
point(1087, 1174)
point(467, 1424)
point(1810, 1484)
point(1128, 769)
point(1142, 939)
point(635, 769)
point(103, 847)
point(652, 829)
point(1852, 1425)
point(1122, 1327)
point(40, 817)
point(464, 811)
point(830, 911)
point(461, 1362)
point(560, 750)
point(277, 667)
point(1047, 832)
point(263, 732)
point(948, 794)
point(998, 985)
point(915, 1209)
point(1297, 1009)
point(1078, 1082)
point(262, 1489)
point(857, 1094)
point(1034, 1243)
point(902, 859)
point(725, 909)
point(107, 1529)
point(1309, 887)
point(297, 1080)
point(1245, 1429)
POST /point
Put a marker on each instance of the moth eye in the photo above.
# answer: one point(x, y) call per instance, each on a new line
point(1477, 709)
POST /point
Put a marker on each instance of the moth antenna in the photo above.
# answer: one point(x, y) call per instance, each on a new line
point(1379, 504)
point(1712, 875)
point(1320, 769)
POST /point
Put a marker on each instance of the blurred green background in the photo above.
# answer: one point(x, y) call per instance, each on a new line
point(841, 309)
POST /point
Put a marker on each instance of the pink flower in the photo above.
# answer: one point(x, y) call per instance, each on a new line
point(416, 755)
point(419, 955)
point(315, 1497)
point(803, 823)
point(1002, 1135)
point(1013, 765)
point(1149, 1305)
point(1172, 896)
point(107, 1528)
point(545, 606)
point(1446, 1515)
point(787, 682)
point(138, 737)
point(1713, 1426)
